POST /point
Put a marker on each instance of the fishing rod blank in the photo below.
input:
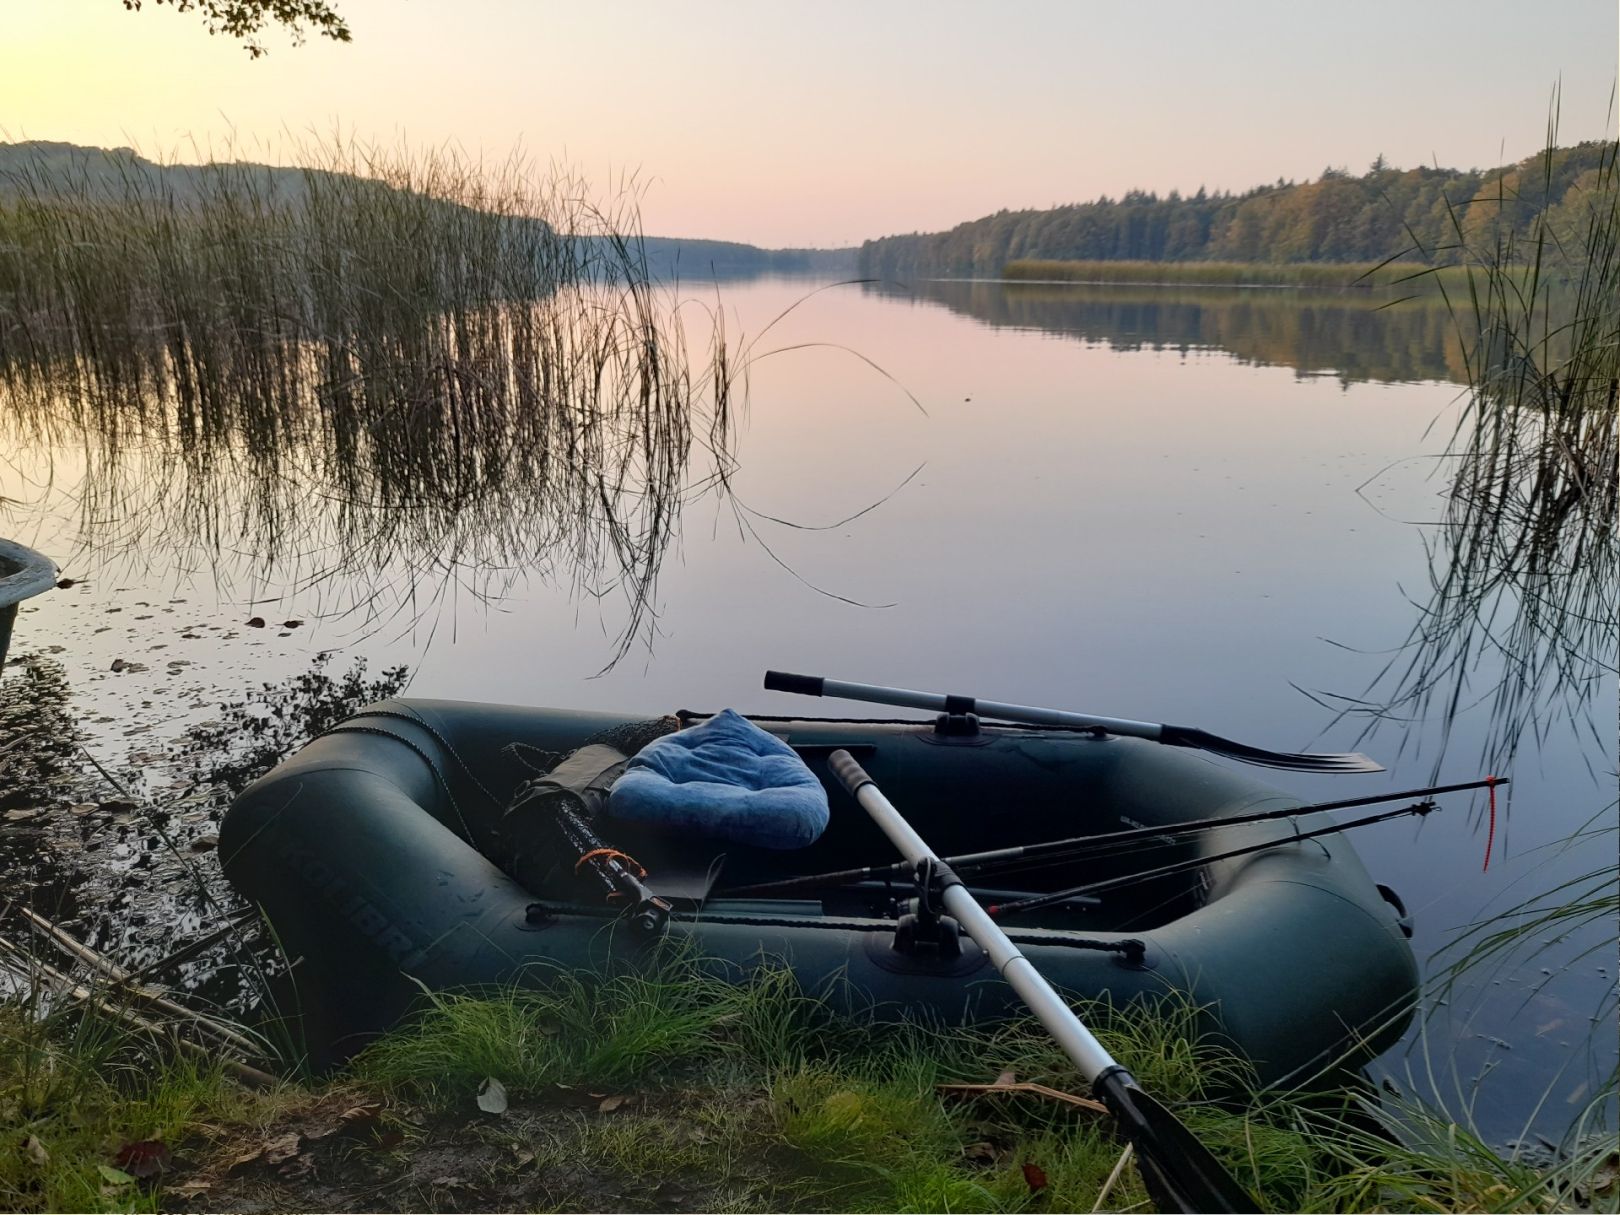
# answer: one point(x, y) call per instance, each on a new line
point(1197, 862)
point(1050, 852)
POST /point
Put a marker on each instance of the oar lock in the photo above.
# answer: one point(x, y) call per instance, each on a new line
point(923, 928)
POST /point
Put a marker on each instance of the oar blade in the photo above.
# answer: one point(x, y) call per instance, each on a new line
point(1180, 1172)
point(1203, 740)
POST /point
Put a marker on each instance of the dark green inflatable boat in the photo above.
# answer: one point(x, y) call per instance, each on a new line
point(373, 854)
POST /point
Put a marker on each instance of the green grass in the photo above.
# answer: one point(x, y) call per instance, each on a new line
point(74, 1089)
point(851, 1115)
point(735, 1096)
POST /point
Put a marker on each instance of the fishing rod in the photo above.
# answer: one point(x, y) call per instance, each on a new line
point(1173, 736)
point(1421, 809)
point(1180, 1172)
point(617, 873)
point(1029, 856)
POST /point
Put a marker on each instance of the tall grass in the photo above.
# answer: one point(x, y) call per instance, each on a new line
point(1521, 622)
point(1522, 617)
point(406, 363)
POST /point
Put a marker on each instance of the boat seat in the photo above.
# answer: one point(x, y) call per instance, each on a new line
point(727, 780)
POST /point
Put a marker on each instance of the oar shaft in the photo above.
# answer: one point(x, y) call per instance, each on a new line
point(939, 702)
point(1173, 736)
point(1049, 1008)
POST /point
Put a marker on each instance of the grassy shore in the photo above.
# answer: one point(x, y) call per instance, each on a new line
point(673, 1091)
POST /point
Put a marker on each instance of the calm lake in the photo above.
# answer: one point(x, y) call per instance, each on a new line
point(1198, 506)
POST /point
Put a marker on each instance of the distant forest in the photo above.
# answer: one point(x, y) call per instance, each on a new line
point(104, 171)
point(1337, 218)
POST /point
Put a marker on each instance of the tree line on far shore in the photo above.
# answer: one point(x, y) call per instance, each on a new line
point(1340, 217)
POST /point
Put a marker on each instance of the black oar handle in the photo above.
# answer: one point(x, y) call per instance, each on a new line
point(848, 771)
point(800, 685)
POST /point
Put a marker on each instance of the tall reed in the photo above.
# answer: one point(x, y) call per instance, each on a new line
point(1521, 616)
point(412, 364)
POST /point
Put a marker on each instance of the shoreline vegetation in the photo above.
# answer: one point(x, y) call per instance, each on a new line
point(675, 1090)
point(1344, 276)
point(31, 167)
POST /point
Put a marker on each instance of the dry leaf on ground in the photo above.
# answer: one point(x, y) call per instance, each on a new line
point(492, 1096)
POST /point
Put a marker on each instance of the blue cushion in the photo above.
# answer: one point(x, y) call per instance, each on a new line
point(727, 779)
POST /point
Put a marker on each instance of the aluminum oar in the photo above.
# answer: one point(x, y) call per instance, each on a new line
point(1173, 736)
point(1180, 1172)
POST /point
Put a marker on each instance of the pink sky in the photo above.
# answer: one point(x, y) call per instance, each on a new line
point(829, 123)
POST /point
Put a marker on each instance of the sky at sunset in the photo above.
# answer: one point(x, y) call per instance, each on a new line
point(829, 123)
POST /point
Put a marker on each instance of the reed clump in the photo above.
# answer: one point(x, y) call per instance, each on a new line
point(428, 367)
point(1523, 610)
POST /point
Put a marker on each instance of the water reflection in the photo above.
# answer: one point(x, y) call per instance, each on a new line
point(1353, 335)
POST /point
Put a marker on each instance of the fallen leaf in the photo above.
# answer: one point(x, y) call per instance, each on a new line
point(36, 1151)
point(982, 1152)
point(22, 816)
point(1007, 1077)
point(283, 1148)
point(522, 1157)
point(143, 1159)
point(391, 1138)
point(1034, 1177)
point(190, 1189)
point(256, 623)
point(291, 624)
point(492, 1096)
point(364, 1112)
point(63, 584)
point(609, 1104)
point(205, 843)
point(298, 1166)
point(114, 1177)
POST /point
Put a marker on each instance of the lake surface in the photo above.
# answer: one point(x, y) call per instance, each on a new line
point(1165, 504)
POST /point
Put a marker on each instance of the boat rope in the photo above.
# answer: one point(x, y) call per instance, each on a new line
point(1420, 809)
point(1130, 947)
point(348, 727)
point(1054, 938)
point(416, 719)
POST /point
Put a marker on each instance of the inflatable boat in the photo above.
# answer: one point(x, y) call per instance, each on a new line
point(404, 849)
